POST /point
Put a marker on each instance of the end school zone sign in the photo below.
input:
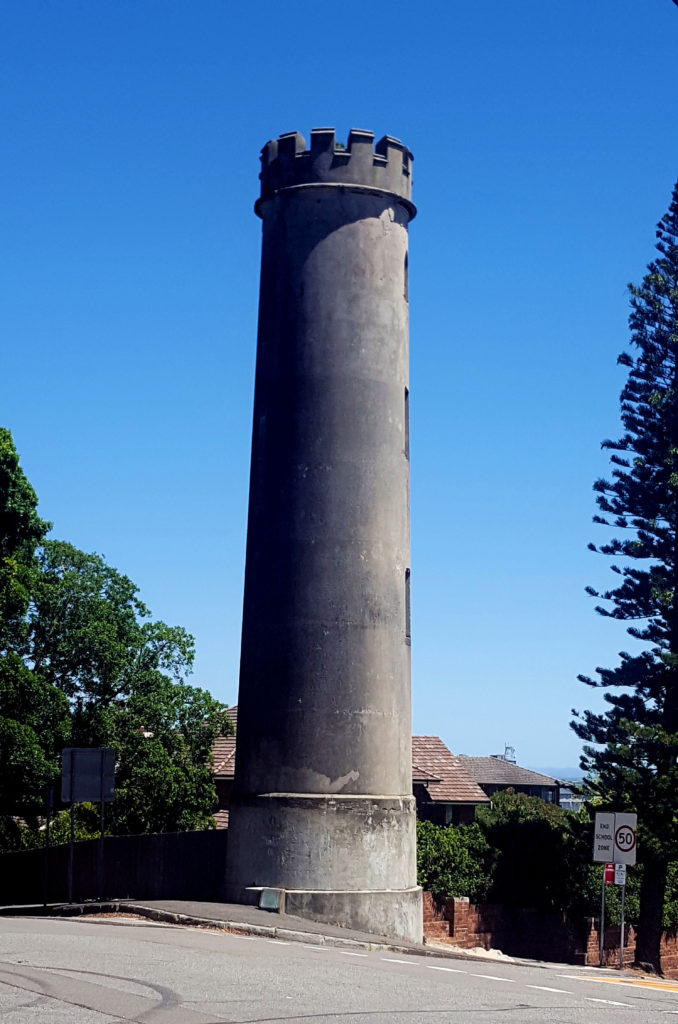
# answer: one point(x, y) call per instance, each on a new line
point(614, 838)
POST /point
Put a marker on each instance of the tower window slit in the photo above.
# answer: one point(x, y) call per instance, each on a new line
point(408, 627)
point(406, 424)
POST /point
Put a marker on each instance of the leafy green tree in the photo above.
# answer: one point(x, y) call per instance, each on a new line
point(535, 851)
point(82, 662)
point(86, 825)
point(21, 531)
point(523, 852)
point(164, 738)
point(451, 860)
point(125, 676)
point(34, 724)
point(631, 751)
point(89, 632)
point(33, 714)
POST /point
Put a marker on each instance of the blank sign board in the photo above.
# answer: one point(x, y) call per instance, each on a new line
point(87, 773)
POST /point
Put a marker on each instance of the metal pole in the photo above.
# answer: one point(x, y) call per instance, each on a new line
point(602, 918)
point(72, 845)
point(49, 798)
point(71, 854)
point(621, 934)
point(101, 838)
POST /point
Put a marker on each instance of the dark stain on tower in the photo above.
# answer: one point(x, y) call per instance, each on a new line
point(322, 805)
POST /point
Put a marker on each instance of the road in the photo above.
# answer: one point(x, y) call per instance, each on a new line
point(97, 971)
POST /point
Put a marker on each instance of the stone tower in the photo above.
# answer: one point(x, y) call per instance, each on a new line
point(322, 805)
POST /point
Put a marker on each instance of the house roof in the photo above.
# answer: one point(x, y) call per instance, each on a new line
point(422, 776)
point(223, 751)
point(432, 760)
point(497, 772)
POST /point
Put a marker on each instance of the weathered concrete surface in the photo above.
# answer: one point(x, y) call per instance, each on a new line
point(393, 913)
point(330, 842)
point(324, 703)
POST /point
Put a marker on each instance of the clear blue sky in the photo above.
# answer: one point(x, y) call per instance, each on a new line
point(545, 144)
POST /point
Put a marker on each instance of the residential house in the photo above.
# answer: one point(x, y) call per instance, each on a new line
point(495, 773)
point(223, 768)
point(445, 792)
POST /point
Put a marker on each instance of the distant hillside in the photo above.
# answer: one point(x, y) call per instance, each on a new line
point(568, 774)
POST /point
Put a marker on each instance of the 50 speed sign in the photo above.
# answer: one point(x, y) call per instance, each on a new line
point(625, 838)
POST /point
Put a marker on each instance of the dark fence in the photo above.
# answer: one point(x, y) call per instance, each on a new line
point(176, 866)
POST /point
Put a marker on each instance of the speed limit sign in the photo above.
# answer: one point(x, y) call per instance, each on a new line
point(625, 838)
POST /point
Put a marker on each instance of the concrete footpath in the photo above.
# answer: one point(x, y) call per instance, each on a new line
point(245, 920)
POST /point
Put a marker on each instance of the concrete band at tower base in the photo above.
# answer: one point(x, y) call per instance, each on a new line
point(322, 806)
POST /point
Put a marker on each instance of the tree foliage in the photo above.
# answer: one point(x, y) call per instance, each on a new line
point(82, 663)
point(34, 725)
point(451, 860)
point(523, 852)
point(520, 852)
point(21, 531)
point(631, 751)
point(536, 851)
point(33, 715)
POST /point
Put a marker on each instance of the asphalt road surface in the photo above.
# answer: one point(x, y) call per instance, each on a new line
point(96, 971)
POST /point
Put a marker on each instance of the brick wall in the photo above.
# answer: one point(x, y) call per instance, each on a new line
point(668, 948)
point(436, 925)
point(534, 935)
point(515, 931)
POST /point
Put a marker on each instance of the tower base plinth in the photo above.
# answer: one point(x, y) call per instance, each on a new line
point(299, 844)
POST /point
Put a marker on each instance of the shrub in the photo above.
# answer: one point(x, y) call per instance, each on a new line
point(451, 861)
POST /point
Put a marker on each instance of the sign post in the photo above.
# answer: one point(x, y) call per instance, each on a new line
point(49, 805)
point(621, 931)
point(614, 843)
point(87, 773)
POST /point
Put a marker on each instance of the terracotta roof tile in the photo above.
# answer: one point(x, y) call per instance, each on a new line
point(495, 771)
point(421, 775)
point(431, 756)
point(223, 751)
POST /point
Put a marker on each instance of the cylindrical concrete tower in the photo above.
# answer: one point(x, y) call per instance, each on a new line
point(322, 805)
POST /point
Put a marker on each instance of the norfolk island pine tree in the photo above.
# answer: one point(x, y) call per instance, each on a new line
point(631, 749)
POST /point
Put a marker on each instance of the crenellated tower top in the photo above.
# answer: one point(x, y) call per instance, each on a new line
point(287, 163)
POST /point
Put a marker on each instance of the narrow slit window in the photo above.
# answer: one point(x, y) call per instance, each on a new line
point(408, 627)
point(406, 424)
point(406, 282)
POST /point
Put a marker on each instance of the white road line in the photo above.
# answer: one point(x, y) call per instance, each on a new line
point(493, 977)
point(279, 942)
point(453, 970)
point(317, 949)
point(392, 960)
point(545, 988)
point(608, 1002)
point(346, 952)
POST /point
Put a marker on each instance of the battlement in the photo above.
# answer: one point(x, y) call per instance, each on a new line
point(286, 162)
